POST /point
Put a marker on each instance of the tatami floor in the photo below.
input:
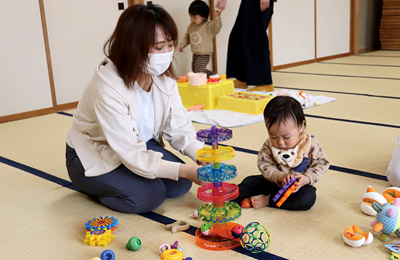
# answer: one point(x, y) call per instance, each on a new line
point(44, 215)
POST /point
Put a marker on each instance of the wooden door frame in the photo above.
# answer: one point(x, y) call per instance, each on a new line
point(354, 26)
point(134, 2)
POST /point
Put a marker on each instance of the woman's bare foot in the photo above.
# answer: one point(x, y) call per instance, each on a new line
point(259, 201)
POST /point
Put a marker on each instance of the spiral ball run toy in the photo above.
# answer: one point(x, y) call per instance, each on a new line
point(218, 211)
point(255, 237)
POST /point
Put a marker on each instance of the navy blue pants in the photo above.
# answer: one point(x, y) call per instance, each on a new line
point(254, 185)
point(123, 190)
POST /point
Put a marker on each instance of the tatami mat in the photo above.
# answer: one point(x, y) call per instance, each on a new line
point(382, 53)
point(344, 70)
point(44, 215)
point(374, 61)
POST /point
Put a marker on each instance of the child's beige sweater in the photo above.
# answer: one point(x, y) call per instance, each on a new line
point(200, 37)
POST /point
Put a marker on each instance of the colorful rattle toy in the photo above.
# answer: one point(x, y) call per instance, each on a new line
point(99, 231)
point(218, 210)
point(387, 219)
point(255, 237)
point(286, 190)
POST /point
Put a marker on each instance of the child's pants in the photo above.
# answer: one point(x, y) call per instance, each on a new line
point(123, 190)
point(254, 185)
point(199, 64)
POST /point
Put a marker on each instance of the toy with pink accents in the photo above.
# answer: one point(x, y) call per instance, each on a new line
point(218, 211)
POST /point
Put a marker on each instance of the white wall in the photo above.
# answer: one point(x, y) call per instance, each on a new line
point(293, 31)
point(333, 27)
point(77, 32)
point(24, 81)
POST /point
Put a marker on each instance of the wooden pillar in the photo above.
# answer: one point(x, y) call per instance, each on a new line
point(48, 56)
point(134, 2)
point(354, 30)
point(214, 55)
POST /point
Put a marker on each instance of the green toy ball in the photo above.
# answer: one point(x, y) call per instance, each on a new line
point(134, 244)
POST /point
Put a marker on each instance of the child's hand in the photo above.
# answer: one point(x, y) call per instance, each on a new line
point(301, 181)
point(181, 48)
point(217, 13)
point(285, 178)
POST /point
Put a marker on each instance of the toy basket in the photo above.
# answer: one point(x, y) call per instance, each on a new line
point(206, 95)
point(244, 102)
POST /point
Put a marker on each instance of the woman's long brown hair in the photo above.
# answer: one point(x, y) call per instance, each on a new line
point(133, 38)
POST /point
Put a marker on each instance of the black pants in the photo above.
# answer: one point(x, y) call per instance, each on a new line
point(254, 185)
point(248, 48)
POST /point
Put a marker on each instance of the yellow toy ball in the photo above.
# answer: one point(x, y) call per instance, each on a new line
point(95, 258)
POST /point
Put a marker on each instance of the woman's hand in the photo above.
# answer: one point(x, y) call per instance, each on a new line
point(264, 4)
point(201, 163)
point(189, 171)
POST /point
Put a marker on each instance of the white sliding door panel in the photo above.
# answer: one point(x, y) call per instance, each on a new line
point(293, 37)
point(77, 32)
point(24, 81)
point(333, 27)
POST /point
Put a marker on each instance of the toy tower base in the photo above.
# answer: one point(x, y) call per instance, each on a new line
point(222, 239)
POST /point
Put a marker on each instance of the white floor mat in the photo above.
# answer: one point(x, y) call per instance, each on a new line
point(225, 118)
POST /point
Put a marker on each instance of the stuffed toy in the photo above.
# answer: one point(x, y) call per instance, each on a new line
point(304, 99)
point(353, 236)
point(387, 219)
point(387, 196)
point(371, 196)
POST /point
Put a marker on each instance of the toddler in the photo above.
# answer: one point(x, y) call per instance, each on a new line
point(288, 152)
point(200, 34)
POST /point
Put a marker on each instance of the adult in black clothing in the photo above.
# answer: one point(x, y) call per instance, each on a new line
point(248, 58)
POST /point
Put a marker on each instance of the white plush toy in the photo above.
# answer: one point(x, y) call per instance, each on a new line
point(371, 196)
point(304, 99)
point(353, 236)
point(387, 196)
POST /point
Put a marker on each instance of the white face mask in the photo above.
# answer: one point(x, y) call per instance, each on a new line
point(159, 62)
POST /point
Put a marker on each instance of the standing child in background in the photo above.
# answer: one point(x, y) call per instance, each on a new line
point(288, 152)
point(200, 34)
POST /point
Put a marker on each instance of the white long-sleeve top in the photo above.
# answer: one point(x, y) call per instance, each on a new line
point(105, 133)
